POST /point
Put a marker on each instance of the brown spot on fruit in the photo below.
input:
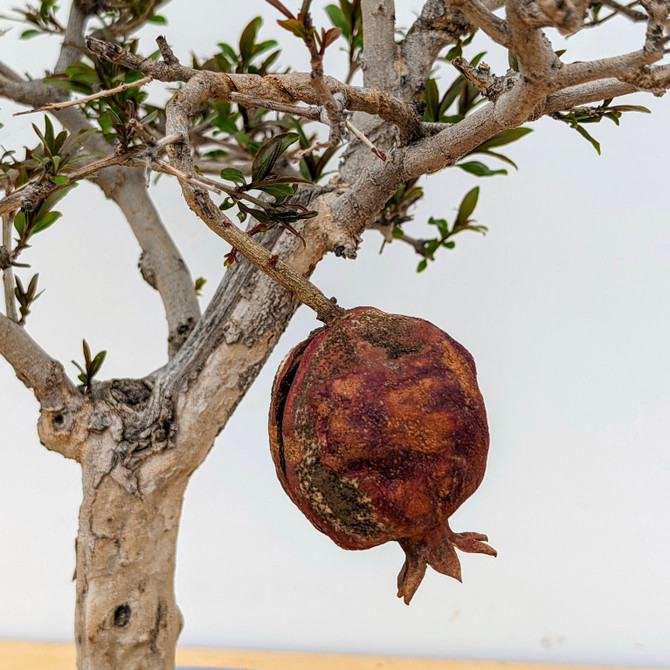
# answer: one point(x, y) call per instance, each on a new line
point(378, 432)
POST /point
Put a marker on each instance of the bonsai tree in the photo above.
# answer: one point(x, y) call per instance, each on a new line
point(237, 137)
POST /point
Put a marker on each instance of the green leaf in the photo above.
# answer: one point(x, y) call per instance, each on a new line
point(338, 19)
point(49, 135)
point(468, 205)
point(442, 225)
point(432, 98)
point(631, 108)
point(454, 52)
point(20, 222)
point(513, 60)
point(96, 363)
point(479, 169)
point(248, 38)
point(199, 283)
point(397, 232)
point(268, 154)
point(294, 26)
point(87, 353)
point(505, 137)
point(500, 157)
point(44, 222)
point(80, 369)
point(55, 197)
point(582, 131)
point(423, 264)
point(277, 190)
point(263, 46)
point(451, 94)
point(31, 293)
point(58, 179)
point(234, 175)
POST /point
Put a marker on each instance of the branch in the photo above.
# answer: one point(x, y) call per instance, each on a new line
point(379, 50)
point(73, 40)
point(161, 263)
point(534, 52)
point(658, 81)
point(438, 25)
point(30, 195)
point(54, 106)
point(481, 17)
point(34, 367)
point(178, 111)
point(5, 264)
point(626, 67)
point(284, 88)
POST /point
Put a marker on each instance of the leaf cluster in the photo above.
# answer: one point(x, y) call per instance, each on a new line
point(92, 365)
point(274, 210)
point(578, 118)
point(26, 296)
point(244, 59)
point(347, 16)
point(113, 112)
point(446, 232)
point(42, 19)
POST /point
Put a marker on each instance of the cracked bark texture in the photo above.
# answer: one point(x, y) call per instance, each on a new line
point(139, 440)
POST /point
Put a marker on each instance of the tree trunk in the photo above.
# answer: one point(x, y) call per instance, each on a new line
point(127, 616)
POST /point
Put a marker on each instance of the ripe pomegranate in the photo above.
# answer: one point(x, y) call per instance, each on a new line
point(378, 432)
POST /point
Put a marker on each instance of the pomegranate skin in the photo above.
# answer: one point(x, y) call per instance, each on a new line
point(378, 432)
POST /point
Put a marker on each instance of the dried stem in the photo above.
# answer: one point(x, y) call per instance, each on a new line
point(53, 106)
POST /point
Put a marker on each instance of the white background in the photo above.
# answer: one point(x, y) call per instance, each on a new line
point(564, 305)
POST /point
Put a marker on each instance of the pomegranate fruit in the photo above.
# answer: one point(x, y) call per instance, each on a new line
point(378, 432)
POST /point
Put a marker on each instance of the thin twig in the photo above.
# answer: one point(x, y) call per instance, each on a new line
point(53, 106)
point(312, 112)
point(363, 138)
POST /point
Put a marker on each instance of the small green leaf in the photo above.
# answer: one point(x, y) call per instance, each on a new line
point(594, 143)
point(479, 169)
point(294, 26)
point(505, 137)
point(58, 179)
point(423, 264)
point(87, 353)
point(338, 19)
point(20, 222)
point(397, 232)
point(268, 154)
point(96, 363)
point(233, 174)
point(513, 60)
point(468, 205)
point(199, 283)
point(248, 38)
point(44, 222)
point(432, 98)
point(631, 108)
point(277, 190)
